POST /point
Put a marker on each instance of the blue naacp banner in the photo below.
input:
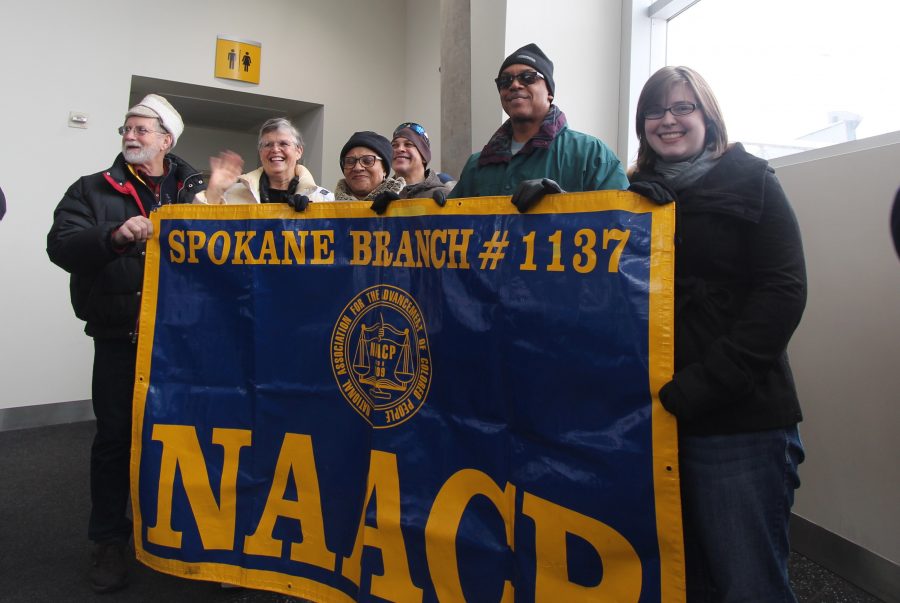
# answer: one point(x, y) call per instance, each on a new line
point(436, 404)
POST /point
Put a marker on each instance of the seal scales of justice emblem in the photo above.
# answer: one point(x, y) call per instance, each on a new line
point(380, 356)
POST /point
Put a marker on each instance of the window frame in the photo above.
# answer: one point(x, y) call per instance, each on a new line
point(644, 27)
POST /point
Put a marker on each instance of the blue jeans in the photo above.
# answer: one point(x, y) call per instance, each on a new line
point(737, 492)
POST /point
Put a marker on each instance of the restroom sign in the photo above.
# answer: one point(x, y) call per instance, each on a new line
point(238, 59)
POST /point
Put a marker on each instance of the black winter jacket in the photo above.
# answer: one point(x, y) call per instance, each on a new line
point(105, 285)
point(740, 290)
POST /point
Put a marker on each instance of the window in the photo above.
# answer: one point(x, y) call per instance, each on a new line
point(790, 75)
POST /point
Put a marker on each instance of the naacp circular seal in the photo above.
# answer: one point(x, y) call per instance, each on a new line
point(380, 355)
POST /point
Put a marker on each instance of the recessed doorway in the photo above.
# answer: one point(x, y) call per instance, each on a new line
point(218, 118)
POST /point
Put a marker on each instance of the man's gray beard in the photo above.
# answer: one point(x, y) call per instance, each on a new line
point(139, 156)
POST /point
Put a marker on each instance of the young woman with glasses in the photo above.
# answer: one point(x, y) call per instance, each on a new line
point(740, 290)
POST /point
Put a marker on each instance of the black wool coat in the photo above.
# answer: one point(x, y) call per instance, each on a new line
point(740, 290)
point(105, 283)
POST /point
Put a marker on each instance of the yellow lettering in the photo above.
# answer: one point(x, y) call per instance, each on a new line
point(268, 249)
point(443, 524)
point(422, 239)
point(438, 260)
point(322, 252)
point(292, 248)
point(422, 381)
point(357, 307)
point(382, 255)
point(458, 249)
point(621, 580)
point(295, 459)
point(242, 249)
point(362, 247)
point(357, 400)
point(181, 449)
point(621, 237)
point(176, 246)
point(382, 351)
point(405, 251)
point(196, 240)
point(395, 584)
point(337, 350)
point(226, 247)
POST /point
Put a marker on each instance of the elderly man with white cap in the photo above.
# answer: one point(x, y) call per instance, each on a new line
point(99, 233)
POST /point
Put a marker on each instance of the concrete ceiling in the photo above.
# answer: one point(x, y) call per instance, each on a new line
point(207, 107)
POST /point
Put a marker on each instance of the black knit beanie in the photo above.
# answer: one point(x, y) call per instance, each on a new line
point(533, 56)
point(371, 140)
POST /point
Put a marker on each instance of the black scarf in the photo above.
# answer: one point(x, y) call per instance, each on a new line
point(267, 194)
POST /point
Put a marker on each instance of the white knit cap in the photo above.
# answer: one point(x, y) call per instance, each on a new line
point(153, 105)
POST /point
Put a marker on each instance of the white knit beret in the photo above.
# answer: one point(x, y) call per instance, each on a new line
point(153, 105)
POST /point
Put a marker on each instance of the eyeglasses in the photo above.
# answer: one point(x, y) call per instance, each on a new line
point(676, 109)
point(526, 78)
point(281, 144)
point(412, 126)
point(367, 160)
point(138, 130)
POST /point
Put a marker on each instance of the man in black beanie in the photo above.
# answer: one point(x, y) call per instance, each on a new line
point(534, 152)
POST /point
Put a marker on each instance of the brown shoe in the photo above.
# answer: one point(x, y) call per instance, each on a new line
point(109, 566)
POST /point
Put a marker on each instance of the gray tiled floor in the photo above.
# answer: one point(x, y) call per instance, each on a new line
point(815, 584)
point(44, 498)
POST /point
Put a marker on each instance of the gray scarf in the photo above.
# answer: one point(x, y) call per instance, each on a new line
point(681, 174)
point(342, 191)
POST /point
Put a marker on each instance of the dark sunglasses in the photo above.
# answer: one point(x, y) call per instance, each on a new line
point(526, 78)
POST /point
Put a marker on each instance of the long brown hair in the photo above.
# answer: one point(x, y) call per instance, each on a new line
point(654, 93)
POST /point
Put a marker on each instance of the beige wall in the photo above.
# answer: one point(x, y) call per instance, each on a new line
point(423, 72)
point(846, 352)
point(585, 50)
point(349, 56)
point(488, 51)
point(196, 144)
point(70, 58)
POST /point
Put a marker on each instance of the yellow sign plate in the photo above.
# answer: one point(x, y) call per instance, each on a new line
point(236, 60)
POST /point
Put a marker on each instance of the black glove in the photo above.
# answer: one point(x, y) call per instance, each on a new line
point(298, 202)
point(654, 190)
point(439, 196)
point(529, 192)
point(381, 201)
point(672, 399)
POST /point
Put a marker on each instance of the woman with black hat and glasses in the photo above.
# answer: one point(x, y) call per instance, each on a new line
point(366, 163)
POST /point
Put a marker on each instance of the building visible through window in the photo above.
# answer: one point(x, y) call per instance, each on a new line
point(794, 75)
